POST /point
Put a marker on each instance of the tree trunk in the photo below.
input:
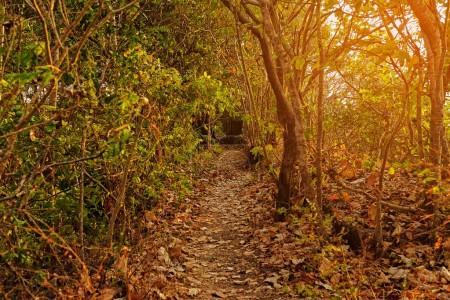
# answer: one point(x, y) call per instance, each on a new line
point(419, 116)
point(445, 148)
point(209, 132)
point(290, 155)
point(320, 95)
point(433, 32)
point(385, 148)
point(286, 93)
point(287, 119)
point(437, 107)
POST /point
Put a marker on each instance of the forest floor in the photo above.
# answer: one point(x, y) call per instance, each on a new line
point(210, 250)
point(222, 242)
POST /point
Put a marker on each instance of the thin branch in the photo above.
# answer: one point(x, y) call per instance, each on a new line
point(73, 161)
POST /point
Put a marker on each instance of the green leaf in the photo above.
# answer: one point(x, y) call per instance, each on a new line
point(21, 78)
point(298, 62)
point(391, 171)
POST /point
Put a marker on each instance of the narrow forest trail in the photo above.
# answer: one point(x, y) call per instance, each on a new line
point(213, 252)
point(221, 261)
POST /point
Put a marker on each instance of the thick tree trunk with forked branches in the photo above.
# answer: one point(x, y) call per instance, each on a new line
point(277, 66)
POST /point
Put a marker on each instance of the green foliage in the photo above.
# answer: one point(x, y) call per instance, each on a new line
point(306, 291)
point(119, 117)
point(209, 96)
point(428, 175)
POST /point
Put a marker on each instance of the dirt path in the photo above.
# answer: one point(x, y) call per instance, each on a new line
point(212, 253)
point(221, 261)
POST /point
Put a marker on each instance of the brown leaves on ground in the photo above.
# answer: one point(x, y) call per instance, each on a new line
point(222, 243)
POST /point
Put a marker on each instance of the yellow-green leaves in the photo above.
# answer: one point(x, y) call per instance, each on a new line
point(391, 171)
point(298, 62)
point(128, 100)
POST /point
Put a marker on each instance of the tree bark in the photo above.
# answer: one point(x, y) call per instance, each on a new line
point(320, 95)
point(419, 116)
point(433, 33)
point(276, 66)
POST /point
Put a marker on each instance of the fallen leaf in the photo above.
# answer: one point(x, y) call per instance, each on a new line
point(372, 179)
point(372, 213)
point(296, 261)
point(397, 231)
point(426, 276)
point(406, 261)
point(150, 216)
point(346, 197)
point(438, 243)
point(33, 137)
point(333, 197)
point(326, 267)
point(273, 281)
point(397, 273)
point(163, 256)
point(348, 172)
point(160, 281)
point(445, 274)
point(218, 294)
point(106, 294)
